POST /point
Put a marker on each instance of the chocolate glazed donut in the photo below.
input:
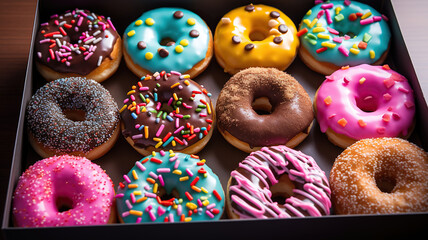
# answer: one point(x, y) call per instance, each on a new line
point(286, 116)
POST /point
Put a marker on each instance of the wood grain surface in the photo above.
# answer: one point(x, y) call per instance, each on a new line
point(16, 23)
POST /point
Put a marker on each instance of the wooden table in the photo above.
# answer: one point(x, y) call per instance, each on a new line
point(16, 22)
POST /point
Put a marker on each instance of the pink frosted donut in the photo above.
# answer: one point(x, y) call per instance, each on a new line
point(277, 182)
point(364, 102)
point(63, 191)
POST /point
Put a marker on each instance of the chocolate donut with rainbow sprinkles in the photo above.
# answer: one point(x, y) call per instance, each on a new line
point(168, 111)
point(78, 43)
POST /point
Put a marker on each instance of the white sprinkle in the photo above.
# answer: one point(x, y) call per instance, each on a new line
point(98, 40)
point(58, 36)
point(58, 42)
point(97, 32)
point(100, 59)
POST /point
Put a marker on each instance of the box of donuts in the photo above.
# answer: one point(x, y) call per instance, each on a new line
point(174, 118)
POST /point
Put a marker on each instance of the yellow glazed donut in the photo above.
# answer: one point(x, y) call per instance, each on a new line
point(255, 36)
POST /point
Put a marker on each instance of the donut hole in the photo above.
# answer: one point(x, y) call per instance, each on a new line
point(262, 106)
point(350, 34)
point(367, 103)
point(63, 203)
point(75, 114)
point(167, 41)
point(165, 196)
point(258, 35)
point(385, 184)
point(282, 190)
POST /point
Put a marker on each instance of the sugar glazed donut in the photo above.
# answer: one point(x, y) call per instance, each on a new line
point(170, 187)
point(364, 102)
point(340, 33)
point(72, 116)
point(78, 43)
point(63, 191)
point(277, 173)
point(170, 39)
point(255, 36)
point(167, 111)
point(263, 107)
point(378, 176)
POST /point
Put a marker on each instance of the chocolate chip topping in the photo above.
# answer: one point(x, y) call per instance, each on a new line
point(178, 14)
point(236, 39)
point(283, 28)
point(141, 45)
point(274, 14)
point(249, 8)
point(194, 33)
point(249, 46)
point(277, 40)
point(163, 52)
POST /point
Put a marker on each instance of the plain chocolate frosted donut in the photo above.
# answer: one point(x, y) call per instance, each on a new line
point(380, 175)
point(289, 115)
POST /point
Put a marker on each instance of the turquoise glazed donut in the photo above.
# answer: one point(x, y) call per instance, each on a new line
point(170, 187)
point(168, 39)
point(339, 33)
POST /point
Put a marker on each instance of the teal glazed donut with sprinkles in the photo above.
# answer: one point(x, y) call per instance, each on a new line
point(167, 111)
point(170, 187)
point(340, 33)
point(168, 39)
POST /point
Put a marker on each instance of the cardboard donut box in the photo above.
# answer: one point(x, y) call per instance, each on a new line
point(220, 155)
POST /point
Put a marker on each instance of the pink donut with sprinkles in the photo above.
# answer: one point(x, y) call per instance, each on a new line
point(364, 101)
point(277, 182)
point(63, 191)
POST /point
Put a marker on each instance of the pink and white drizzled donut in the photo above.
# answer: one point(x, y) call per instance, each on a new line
point(364, 101)
point(277, 172)
point(63, 191)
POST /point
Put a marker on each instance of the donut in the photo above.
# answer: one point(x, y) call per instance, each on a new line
point(379, 176)
point(263, 107)
point(277, 182)
point(169, 187)
point(168, 39)
point(78, 43)
point(63, 191)
point(341, 33)
point(255, 36)
point(167, 111)
point(364, 102)
point(73, 116)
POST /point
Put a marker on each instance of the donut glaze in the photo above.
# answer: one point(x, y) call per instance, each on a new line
point(255, 36)
point(88, 191)
point(291, 111)
point(167, 111)
point(193, 191)
point(366, 102)
point(344, 33)
point(190, 40)
point(77, 41)
point(379, 176)
point(50, 127)
point(250, 195)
